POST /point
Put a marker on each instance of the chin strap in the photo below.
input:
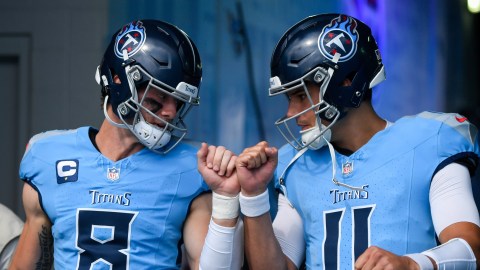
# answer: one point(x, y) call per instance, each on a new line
point(334, 171)
point(334, 167)
point(282, 179)
point(105, 112)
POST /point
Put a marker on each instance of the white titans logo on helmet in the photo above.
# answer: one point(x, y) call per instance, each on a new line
point(131, 38)
point(340, 36)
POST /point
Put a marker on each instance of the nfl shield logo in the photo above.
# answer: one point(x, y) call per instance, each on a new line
point(347, 168)
point(113, 173)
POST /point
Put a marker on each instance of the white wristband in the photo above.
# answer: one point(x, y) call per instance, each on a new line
point(255, 206)
point(422, 260)
point(224, 207)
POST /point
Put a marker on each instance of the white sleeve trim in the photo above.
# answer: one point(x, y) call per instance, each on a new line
point(288, 228)
point(223, 248)
point(422, 260)
point(450, 188)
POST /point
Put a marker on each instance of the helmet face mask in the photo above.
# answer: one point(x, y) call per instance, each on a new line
point(171, 131)
point(151, 58)
point(315, 136)
point(327, 50)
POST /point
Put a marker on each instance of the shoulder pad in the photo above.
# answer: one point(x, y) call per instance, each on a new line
point(456, 121)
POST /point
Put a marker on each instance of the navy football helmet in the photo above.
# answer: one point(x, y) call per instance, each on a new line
point(155, 56)
point(325, 50)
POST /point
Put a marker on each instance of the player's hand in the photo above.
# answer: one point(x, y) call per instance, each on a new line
point(255, 167)
point(377, 258)
point(217, 166)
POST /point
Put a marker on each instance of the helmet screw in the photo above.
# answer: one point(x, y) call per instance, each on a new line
point(136, 75)
point(123, 109)
point(358, 94)
point(319, 76)
point(330, 113)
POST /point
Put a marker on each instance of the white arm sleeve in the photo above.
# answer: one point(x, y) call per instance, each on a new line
point(288, 228)
point(451, 198)
point(223, 248)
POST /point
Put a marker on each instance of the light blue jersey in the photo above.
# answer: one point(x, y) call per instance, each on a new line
point(112, 215)
point(394, 169)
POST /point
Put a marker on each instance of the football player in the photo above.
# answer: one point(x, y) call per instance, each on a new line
point(129, 195)
point(356, 191)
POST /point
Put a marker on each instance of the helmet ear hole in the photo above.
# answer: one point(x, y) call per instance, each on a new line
point(117, 80)
point(115, 77)
point(351, 76)
point(348, 79)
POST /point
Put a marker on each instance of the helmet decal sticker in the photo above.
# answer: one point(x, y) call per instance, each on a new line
point(340, 36)
point(130, 38)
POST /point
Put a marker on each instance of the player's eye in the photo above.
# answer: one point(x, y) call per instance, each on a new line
point(151, 105)
point(302, 96)
point(297, 96)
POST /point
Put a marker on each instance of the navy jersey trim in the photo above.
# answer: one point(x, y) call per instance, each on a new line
point(467, 159)
point(40, 200)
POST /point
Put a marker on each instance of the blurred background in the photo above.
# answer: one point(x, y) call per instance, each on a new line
point(49, 51)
